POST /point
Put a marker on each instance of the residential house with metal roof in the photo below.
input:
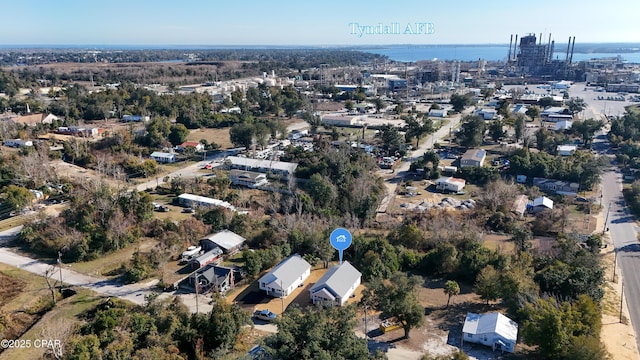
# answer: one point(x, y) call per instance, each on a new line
point(491, 329)
point(336, 285)
point(473, 157)
point(285, 277)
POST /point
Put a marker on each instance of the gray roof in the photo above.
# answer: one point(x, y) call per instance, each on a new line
point(285, 273)
point(226, 239)
point(338, 280)
point(474, 154)
point(248, 163)
point(214, 274)
point(212, 254)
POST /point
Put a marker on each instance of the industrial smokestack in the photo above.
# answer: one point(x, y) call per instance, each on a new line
point(540, 41)
point(553, 44)
point(549, 52)
point(510, 42)
point(515, 45)
point(566, 59)
point(573, 45)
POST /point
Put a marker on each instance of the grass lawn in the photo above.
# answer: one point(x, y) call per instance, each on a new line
point(57, 324)
point(16, 221)
point(106, 263)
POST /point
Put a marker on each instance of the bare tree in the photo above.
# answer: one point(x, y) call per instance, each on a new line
point(51, 282)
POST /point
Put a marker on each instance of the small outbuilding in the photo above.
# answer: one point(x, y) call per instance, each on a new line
point(491, 329)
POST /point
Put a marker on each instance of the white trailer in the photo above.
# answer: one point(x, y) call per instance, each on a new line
point(191, 253)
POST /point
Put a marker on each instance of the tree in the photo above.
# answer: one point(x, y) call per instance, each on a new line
point(547, 102)
point(178, 134)
point(415, 129)
point(587, 129)
point(395, 297)
point(519, 126)
point(391, 138)
point(576, 104)
point(488, 284)
point(223, 325)
point(316, 333)
point(472, 131)
point(533, 112)
point(242, 134)
point(496, 130)
point(451, 288)
point(459, 102)
point(348, 105)
point(321, 191)
point(379, 104)
point(17, 197)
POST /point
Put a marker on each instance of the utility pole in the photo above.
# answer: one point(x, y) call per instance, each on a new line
point(604, 227)
point(621, 300)
point(281, 298)
point(60, 266)
point(196, 285)
point(615, 262)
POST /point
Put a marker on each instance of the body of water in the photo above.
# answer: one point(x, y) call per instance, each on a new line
point(472, 53)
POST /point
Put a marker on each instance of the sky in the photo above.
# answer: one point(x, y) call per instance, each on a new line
point(312, 23)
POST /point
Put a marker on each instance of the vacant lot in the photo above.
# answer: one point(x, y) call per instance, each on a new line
point(218, 136)
point(20, 303)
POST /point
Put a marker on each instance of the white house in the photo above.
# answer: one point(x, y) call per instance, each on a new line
point(487, 114)
point(163, 157)
point(18, 143)
point(541, 203)
point(438, 113)
point(285, 277)
point(196, 145)
point(190, 200)
point(248, 178)
point(566, 150)
point(336, 285)
point(562, 125)
point(450, 184)
point(491, 329)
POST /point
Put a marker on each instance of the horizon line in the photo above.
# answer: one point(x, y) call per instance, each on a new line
point(222, 46)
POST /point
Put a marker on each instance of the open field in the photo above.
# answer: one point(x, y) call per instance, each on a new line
point(218, 136)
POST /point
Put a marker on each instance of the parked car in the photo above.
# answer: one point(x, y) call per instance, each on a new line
point(188, 210)
point(265, 315)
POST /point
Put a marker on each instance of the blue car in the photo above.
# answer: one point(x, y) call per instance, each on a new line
point(265, 315)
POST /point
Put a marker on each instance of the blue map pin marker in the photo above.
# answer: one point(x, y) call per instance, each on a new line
point(340, 240)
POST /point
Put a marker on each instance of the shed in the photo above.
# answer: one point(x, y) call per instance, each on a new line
point(491, 329)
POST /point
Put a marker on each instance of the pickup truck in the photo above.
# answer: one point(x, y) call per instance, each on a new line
point(265, 315)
